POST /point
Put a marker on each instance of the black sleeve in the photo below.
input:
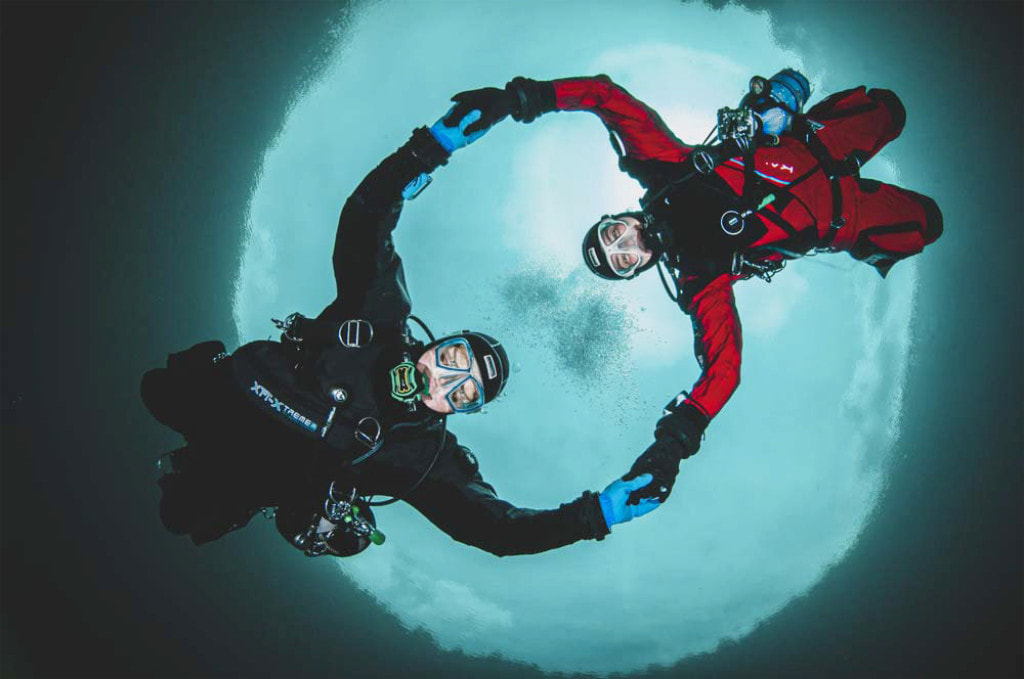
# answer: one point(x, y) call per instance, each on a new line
point(368, 272)
point(458, 501)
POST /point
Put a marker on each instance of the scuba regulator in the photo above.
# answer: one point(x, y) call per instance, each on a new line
point(765, 112)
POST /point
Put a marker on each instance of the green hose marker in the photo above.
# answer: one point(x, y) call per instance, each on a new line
point(768, 200)
point(376, 537)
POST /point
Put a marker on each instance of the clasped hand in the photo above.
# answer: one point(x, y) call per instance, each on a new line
point(494, 105)
point(661, 462)
point(615, 505)
point(474, 113)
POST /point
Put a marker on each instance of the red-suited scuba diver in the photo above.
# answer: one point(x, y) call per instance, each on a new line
point(775, 184)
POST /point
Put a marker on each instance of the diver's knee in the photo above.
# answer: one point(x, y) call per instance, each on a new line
point(933, 219)
point(892, 103)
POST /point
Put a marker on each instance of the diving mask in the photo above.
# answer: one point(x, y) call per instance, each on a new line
point(621, 244)
point(454, 371)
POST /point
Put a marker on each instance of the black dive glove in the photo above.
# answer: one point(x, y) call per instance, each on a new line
point(661, 461)
point(676, 437)
point(522, 98)
point(682, 423)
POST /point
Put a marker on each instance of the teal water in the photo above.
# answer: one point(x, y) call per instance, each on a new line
point(790, 471)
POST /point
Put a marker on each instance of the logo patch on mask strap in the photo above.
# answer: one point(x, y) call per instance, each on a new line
point(592, 253)
point(492, 369)
point(403, 381)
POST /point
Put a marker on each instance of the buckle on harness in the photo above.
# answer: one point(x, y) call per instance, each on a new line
point(837, 223)
point(288, 327)
point(355, 333)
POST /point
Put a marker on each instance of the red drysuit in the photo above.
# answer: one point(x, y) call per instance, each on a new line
point(874, 222)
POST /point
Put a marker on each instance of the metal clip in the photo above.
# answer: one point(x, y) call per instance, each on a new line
point(369, 436)
point(741, 266)
point(336, 507)
point(287, 327)
point(366, 438)
point(737, 264)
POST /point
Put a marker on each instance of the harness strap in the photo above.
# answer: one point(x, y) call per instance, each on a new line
point(838, 221)
point(834, 170)
point(751, 196)
point(311, 336)
point(315, 334)
point(754, 195)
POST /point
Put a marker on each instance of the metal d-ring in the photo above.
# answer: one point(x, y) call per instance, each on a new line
point(355, 333)
point(370, 437)
point(733, 222)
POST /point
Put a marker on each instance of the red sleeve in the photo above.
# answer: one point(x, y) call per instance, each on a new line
point(718, 344)
point(642, 131)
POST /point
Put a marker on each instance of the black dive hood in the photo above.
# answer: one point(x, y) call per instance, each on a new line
point(655, 238)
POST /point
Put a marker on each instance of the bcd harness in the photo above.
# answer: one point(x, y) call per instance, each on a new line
point(740, 142)
point(296, 380)
point(312, 338)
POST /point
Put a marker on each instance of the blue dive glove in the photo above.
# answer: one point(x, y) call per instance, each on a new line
point(613, 501)
point(451, 139)
point(455, 137)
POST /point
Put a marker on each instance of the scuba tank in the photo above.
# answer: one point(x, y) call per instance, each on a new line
point(344, 526)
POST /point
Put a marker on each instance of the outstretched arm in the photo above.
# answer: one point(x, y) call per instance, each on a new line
point(457, 500)
point(467, 508)
point(718, 347)
point(634, 126)
point(367, 270)
point(643, 134)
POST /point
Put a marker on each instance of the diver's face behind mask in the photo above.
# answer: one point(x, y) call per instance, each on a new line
point(453, 377)
point(614, 248)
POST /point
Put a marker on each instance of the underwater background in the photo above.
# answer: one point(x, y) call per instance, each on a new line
point(133, 140)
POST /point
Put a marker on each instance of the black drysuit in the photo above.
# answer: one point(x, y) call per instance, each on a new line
point(252, 423)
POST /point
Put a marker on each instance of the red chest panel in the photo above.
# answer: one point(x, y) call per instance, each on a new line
point(807, 206)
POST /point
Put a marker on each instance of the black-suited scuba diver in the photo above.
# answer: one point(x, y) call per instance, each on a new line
point(350, 406)
point(776, 184)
